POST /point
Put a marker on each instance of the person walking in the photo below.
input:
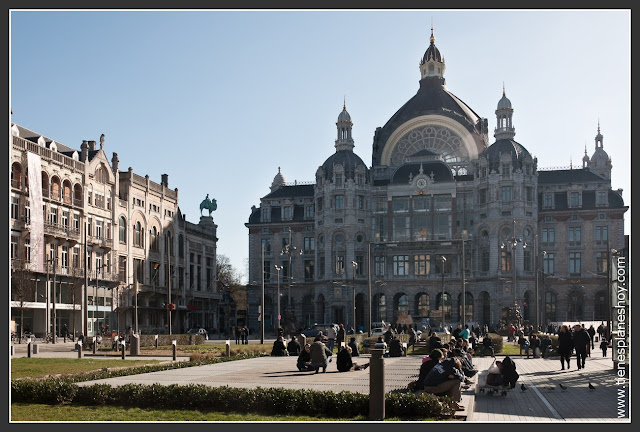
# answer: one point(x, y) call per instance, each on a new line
point(592, 333)
point(603, 346)
point(581, 344)
point(565, 345)
point(341, 336)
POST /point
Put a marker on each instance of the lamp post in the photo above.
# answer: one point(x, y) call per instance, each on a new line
point(288, 250)
point(512, 243)
point(464, 302)
point(278, 268)
point(444, 259)
point(261, 314)
point(369, 288)
point(353, 292)
point(52, 261)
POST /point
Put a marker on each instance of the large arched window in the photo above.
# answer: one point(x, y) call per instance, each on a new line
point(402, 304)
point(45, 185)
point(422, 306)
point(468, 299)
point(550, 301)
point(600, 306)
point(380, 311)
point(574, 305)
point(137, 234)
point(66, 192)
point(77, 195)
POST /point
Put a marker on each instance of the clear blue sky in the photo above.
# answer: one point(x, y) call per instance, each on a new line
point(218, 100)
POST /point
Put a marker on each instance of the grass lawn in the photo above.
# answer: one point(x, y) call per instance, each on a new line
point(65, 413)
point(25, 367)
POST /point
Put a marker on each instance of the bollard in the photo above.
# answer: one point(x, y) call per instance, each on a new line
point(156, 340)
point(134, 346)
point(376, 385)
point(79, 349)
point(175, 348)
point(94, 345)
point(29, 347)
point(228, 349)
point(12, 351)
point(35, 348)
point(124, 349)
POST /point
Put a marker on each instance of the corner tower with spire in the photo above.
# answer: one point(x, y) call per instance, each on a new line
point(432, 63)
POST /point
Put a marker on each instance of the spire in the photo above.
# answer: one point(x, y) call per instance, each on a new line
point(344, 125)
point(432, 62)
point(504, 118)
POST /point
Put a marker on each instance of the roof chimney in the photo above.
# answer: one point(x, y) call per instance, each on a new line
point(84, 151)
point(165, 180)
point(92, 145)
point(114, 163)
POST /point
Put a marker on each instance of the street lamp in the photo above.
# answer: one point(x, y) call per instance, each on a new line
point(464, 302)
point(53, 261)
point(444, 259)
point(512, 243)
point(278, 268)
point(289, 250)
point(95, 298)
point(353, 292)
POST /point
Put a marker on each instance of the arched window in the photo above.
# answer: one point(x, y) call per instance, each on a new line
point(154, 239)
point(77, 195)
point(122, 230)
point(431, 69)
point(16, 175)
point(422, 306)
point(380, 311)
point(169, 243)
point(181, 246)
point(66, 192)
point(45, 185)
point(55, 189)
point(600, 306)
point(550, 301)
point(101, 174)
point(403, 304)
point(574, 306)
point(468, 299)
point(447, 305)
point(137, 234)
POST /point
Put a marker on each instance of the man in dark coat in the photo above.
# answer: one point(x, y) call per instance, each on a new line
point(293, 346)
point(592, 334)
point(354, 347)
point(565, 345)
point(581, 343)
point(340, 336)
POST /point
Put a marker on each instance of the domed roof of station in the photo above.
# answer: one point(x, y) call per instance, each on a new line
point(494, 153)
point(349, 161)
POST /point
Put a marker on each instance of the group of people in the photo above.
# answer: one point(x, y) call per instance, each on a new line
point(581, 341)
point(241, 334)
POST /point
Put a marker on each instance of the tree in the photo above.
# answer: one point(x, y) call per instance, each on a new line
point(23, 287)
point(229, 281)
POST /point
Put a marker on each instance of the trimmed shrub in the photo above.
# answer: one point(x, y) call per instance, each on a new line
point(50, 391)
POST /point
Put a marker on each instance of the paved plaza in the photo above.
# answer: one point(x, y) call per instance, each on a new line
point(543, 400)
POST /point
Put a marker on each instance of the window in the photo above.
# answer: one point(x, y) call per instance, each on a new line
point(574, 236)
point(15, 207)
point(308, 212)
point(548, 263)
point(138, 270)
point(506, 193)
point(423, 305)
point(548, 236)
point(484, 260)
point(574, 263)
point(360, 202)
point(574, 199)
point(360, 179)
point(321, 269)
point(265, 244)
point(99, 228)
point(309, 244)
point(400, 265)
point(339, 202)
point(338, 179)
point(339, 265)
point(505, 261)
point(359, 265)
point(153, 240)
point(14, 246)
point(309, 269)
point(482, 196)
point(547, 200)
point(601, 234)
point(181, 246)
point(75, 256)
point(286, 214)
point(421, 265)
point(76, 222)
point(379, 264)
point(53, 215)
point(122, 230)
point(137, 234)
point(602, 262)
point(601, 198)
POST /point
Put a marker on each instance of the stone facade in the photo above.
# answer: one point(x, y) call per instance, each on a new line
point(388, 238)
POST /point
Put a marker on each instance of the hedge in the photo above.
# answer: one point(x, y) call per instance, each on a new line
point(260, 400)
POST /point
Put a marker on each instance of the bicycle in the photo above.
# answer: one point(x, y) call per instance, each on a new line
point(47, 338)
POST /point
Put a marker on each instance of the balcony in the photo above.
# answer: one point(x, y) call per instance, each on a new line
point(62, 232)
point(101, 240)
